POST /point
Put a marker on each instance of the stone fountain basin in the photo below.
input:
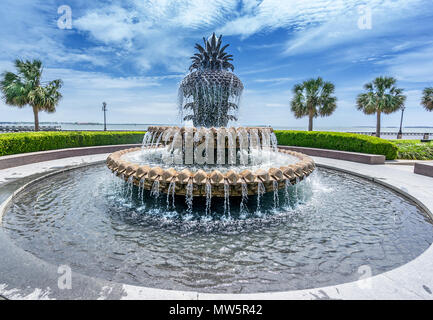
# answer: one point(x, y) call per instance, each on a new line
point(273, 178)
point(27, 277)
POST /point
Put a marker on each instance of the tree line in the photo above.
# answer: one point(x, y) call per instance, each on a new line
point(315, 97)
point(311, 98)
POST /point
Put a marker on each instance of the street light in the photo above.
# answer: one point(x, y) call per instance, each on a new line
point(104, 108)
point(400, 133)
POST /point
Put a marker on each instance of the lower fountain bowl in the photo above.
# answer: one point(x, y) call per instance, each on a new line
point(322, 232)
point(197, 183)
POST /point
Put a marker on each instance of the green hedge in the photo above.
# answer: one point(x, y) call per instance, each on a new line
point(414, 149)
point(13, 143)
point(337, 141)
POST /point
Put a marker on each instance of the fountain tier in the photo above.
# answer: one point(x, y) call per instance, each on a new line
point(209, 159)
point(250, 164)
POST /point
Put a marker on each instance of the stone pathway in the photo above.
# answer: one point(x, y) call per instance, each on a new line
point(406, 162)
point(7, 175)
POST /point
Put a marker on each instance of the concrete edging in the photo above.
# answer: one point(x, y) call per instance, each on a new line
point(424, 169)
point(21, 159)
point(5, 204)
point(338, 154)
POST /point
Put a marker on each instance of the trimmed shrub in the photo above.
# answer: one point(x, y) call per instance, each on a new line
point(13, 143)
point(337, 141)
point(414, 149)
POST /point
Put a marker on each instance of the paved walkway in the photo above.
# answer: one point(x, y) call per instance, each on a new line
point(407, 162)
point(7, 175)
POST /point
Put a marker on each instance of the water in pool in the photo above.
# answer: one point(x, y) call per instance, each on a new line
point(333, 224)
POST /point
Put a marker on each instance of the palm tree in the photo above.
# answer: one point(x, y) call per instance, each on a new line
point(382, 96)
point(313, 98)
point(427, 99)
point(25, 88)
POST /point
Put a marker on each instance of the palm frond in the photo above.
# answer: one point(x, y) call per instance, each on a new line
point(382, 96)
point(313, 97)
point(23, 88)
point(427, 99)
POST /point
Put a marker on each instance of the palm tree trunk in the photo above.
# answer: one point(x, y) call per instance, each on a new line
point(36, 115)
point(378, 124)
point(310, 122)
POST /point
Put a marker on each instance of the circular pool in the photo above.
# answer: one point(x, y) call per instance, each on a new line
point(328, 228)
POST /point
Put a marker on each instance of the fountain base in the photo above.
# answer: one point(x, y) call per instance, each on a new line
point(197, 183)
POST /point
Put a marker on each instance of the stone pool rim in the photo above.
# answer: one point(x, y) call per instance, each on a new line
point(40, 278)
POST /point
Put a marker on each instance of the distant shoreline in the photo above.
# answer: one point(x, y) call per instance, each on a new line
point(173, 124)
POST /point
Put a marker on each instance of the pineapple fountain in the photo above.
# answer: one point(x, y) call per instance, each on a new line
point(210, 159)
point(208, 208)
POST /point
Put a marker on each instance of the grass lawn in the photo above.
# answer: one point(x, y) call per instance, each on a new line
point(414, 149)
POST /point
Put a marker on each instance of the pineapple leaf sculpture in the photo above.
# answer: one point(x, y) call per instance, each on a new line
point(210, 91)
point(212, 56)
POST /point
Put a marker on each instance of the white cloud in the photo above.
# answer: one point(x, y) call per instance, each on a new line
point(274, 81)
point(140, 35)
point(283, 79)
point(414, 66)
point(274, 14)
point(342, 28)
point(94, 80)
point(112, 24)
point(277, 105)
point(154, 32)
point(129, 99)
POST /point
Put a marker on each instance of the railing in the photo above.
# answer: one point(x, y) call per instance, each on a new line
point(392, 133)
point(28, 128)
point(424, 135)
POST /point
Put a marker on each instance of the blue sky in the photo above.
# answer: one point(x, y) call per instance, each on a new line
point(133, 54)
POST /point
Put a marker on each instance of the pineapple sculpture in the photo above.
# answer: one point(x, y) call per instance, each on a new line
point(210, 92)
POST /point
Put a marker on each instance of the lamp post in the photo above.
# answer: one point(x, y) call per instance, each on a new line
point(400, 133)
point(104, 108)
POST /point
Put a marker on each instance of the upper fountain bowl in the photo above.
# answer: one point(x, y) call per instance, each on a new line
point(227, 160)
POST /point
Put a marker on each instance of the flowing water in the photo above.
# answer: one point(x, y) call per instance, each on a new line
point(163, 158)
